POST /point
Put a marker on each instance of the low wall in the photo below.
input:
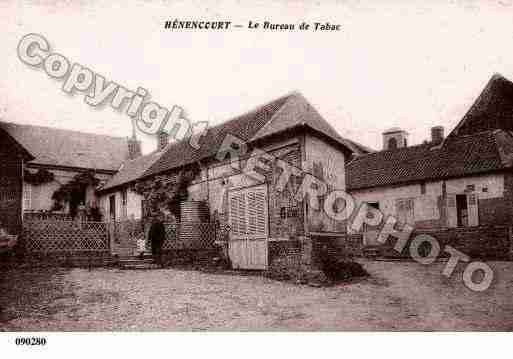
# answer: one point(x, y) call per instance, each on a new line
point(483, 242)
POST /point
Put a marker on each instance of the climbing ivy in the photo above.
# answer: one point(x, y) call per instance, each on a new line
point(74, 187)
point(167, 193)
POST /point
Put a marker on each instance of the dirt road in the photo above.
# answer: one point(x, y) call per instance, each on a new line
point(397, 296)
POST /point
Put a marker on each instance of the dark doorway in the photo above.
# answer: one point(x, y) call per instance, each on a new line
point(77, 198)
point(462, 210)
point(112, 207)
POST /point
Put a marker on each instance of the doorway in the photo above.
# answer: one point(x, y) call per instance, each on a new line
point(249, 227)
point(461, 210)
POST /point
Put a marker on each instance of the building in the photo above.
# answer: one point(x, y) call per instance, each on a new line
point(13, 158)
point(117, 197)
point(67, 166)
point(463, 180)
point(260, 216)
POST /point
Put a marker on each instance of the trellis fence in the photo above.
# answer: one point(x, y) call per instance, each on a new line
point(66, 237)
point(124, 238)
point(185, 235)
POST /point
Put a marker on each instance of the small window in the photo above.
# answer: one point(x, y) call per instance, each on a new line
point(485, 189)
point(423, 188)
point(283, 213)
point(471, 188)
point(373, 204)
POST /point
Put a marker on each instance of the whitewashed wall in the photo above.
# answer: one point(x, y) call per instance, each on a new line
point(426, 205)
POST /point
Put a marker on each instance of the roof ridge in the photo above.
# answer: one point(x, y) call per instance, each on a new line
point(61, 129)
point(257, 109)
point(273, 117)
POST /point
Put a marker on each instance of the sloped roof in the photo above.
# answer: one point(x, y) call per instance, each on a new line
point(131, 170)
point(9, 141)
point(460, 156)
point(58, 147)
point(296, 112)
point(275, 117)
point(493, 109)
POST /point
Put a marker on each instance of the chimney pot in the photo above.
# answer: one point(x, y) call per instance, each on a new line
point(394, 138)
point(134, 148)
point(163, 140)
point(437, 134)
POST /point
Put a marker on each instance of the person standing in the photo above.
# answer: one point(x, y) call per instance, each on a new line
point(157, 235)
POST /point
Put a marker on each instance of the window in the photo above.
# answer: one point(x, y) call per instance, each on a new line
point(405, 210)
point(423, 188)
point(373, 204)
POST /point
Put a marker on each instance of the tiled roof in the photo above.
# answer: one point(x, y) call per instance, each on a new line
point(282, 114)
point(57, 147)
point(458, 156)
point(131, 170)
point(8, 141)
point(493, 109)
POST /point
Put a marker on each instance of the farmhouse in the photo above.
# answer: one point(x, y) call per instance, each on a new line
point(463, 180)
point(262, 219)
point(118, 197)
point(66, 168)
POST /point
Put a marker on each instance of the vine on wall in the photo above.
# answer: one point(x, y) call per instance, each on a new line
point(168, 194)
point(75, 187)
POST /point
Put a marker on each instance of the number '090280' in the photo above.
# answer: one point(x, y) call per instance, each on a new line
point(30, 341)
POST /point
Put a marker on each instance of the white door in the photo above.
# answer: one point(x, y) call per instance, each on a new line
point(452, 215)
point(249, 228)
point(472, 208)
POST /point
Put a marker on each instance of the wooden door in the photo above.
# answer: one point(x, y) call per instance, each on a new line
point(472, 208)
point(249, 227)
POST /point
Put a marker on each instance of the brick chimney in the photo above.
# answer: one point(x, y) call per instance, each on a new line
point(162, 140)
point(437, 135)
point(134, 148)
point(394, 138)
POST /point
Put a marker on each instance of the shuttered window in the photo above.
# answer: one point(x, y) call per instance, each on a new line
point(405, 210)
point(248, 212)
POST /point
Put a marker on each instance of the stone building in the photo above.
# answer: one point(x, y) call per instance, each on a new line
point(463, 180)
point(262, 218)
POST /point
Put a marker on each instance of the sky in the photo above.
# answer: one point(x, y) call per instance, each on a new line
point(410, 64)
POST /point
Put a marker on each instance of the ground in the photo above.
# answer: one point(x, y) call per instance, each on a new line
point(397, 296)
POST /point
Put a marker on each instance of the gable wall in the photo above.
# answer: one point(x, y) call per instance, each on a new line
point(327, 163)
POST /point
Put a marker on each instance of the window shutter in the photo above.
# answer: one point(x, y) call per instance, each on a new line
point(452, 216)
point(472, 207)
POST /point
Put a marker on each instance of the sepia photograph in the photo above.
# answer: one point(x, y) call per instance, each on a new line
point(254, 166)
